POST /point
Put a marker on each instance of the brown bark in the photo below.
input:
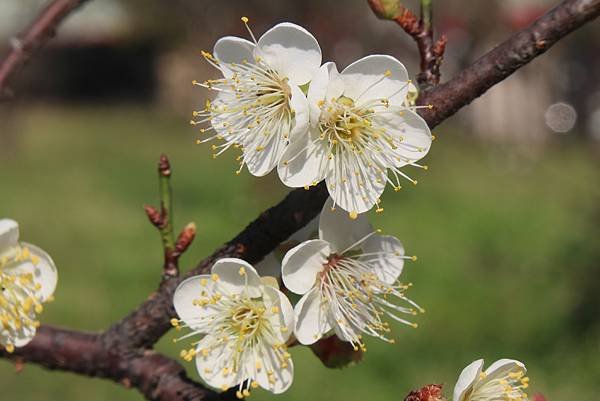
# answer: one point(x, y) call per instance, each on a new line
point(123, 353)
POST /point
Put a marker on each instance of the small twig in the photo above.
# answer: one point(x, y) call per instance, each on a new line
point(31, 39)
point(163, 221)
point(421, 30)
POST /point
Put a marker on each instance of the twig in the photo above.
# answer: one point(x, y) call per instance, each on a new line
point(163, 221)
point(122, 352)
point(421, 30)
point(31, 39)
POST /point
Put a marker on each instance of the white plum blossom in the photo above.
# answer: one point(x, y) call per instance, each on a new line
point(348, 281)
point(361, 127)
point(245, 323)
point(27, 279)
point(504, 380)
point(260, 105)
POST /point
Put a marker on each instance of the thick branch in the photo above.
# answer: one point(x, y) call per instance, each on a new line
point(158, 377)
point(41, 29)
point(121, 352)
point(503, 60)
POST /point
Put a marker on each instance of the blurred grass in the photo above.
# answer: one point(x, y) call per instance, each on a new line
point(504, 251)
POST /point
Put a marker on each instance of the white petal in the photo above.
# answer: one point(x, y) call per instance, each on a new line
point(261, 163)
point(292, 51)
point(410, 132)
point(365, 80)
point(337, 228)
point(502, 367)
point(44, 271)
point(24, 336)
point(354, 193)
point(283, 376)
point(301, 264)
point(311, 318)
point(285, 316)
point(304, 161)
point(183, 300)
point(210, 366)
point(466, 379)
point(9, 234)
point(299, 106)
point(231, 49)
point(327, 84)
point(389, 263)
point(237, 276)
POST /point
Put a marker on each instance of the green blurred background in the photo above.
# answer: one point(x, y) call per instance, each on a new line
point(507, 230)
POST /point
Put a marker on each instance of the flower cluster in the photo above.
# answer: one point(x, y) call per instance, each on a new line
point(283, 109)
point(349, 278)
point(27, 278)
point(355, 129)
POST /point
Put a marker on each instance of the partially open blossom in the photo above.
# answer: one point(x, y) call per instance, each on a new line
point(504, 380)
point(362, 131)
point(27, 279)
point(348, 278)
point(259, 105)
point(245, 324)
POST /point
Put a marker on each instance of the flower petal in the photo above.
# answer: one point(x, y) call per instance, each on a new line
point(502, 367)
point(283, 377)
point(9, 234)
point(24, 336)
point(410, 133)
point(186, 293)
point(262, 161)
point(299, 106)
point(367, 79)
point(210, 365)
point(285, 316)
point(301, 264)
point(44, 271)
point(339, 230)
point(292, 51)
point(467, 379)
point(304, 161)
point(352, 184)
point(231, 49)
point(388, 262)
point(327, 84)
point(311, 318)
point(237, 276)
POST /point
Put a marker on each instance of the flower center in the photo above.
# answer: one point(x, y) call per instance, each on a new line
point(246, 319)
point(19, 304)
point(358, 299)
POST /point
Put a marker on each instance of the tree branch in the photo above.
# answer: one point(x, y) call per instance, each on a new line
point(123, 353)
point(421, 30)
point(163, 221)
point(506, 58)
point(24, 45)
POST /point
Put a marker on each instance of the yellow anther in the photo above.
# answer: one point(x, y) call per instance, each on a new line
point(239, 395)
point(242, 271)
point(387, 73)
point(414, 258)
point(353, 215)
point(203, 282)
point(275, 309)
point(9, 348)
point(245, 20)
point(214, 277)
